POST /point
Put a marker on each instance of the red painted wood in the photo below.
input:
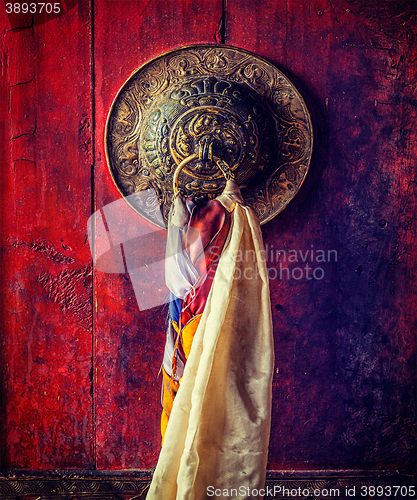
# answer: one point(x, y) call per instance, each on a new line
point(129, 343)
point(46, 273)
point(345, 345)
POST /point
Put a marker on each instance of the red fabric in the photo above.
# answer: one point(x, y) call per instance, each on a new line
point(212, 221)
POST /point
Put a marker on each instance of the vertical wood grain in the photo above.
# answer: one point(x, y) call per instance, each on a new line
point(46, 272)
point(129, 343)
point(80, 361)
point(345, 344)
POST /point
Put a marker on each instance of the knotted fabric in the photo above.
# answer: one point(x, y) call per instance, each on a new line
point(218, 430)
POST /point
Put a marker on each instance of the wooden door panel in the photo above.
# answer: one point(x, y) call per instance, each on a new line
point(129, 342)
point(341, 398)
point(46, 272)
point(80, 361)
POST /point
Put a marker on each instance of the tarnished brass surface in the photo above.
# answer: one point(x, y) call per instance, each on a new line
point(199, 105)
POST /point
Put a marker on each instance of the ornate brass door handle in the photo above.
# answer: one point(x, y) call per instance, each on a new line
point(210, 112)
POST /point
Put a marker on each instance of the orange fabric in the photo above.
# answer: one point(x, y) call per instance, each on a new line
point(170, 386)
point(187, 334)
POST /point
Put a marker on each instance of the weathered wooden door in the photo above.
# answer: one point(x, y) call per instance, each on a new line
point(80, 362)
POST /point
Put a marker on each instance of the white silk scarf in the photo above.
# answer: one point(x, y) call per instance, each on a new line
point(218, 431)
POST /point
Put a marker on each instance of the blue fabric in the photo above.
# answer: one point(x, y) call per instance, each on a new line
point(174, 308)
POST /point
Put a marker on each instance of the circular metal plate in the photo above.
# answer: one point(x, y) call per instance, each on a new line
point(252, 114)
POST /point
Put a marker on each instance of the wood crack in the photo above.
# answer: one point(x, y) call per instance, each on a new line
point(220, 35)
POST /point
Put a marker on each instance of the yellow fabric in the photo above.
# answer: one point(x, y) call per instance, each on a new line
point(175, 326)
point(187, 334)
point(218, 430)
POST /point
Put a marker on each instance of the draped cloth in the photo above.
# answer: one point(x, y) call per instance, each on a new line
point(218, 430)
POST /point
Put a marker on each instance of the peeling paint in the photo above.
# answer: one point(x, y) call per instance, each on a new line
point(47, 249)
point(72, 291)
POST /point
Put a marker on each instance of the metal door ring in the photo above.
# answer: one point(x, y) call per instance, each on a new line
point(222, 165)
